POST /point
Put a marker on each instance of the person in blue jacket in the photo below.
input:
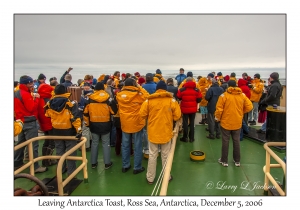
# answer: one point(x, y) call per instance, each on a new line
point(181, 76)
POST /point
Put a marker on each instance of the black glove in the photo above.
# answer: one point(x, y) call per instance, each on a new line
point(79, 135)
point(250, 85)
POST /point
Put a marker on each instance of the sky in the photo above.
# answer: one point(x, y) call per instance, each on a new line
point(146, 42)
point(53, 44)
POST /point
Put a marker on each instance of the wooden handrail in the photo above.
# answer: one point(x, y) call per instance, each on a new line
point(165, 183)
point(62, 158)
point(268, 166)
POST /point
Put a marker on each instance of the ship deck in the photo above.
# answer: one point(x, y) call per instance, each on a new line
point(207, 178)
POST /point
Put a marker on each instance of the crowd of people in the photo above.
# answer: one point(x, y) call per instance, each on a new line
point(136, 114)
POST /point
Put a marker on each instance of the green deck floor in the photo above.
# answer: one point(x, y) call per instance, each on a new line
point(190, 178)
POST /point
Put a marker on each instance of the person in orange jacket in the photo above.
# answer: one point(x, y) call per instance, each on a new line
point(203, 84)
point(256, 90)
point(130, 100)
point(230, 109)
point(160, 109)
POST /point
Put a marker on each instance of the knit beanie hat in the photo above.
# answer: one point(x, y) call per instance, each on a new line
point(25, 80)
point(141, 80)
point(232, 74)
point(149, 77)
point(129, 82)
point(211, 75)
point(158, 71)
point(232, 83)
point(60, 89)
point(99, 86)
point(219, 74)
point(41, 76)
point(161, 85)
point(274, 76)
point(189, 74)
point(137, 74)
point(226, 78)
point(257, 76)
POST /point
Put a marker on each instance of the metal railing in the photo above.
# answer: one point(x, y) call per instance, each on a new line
point(169, 162)
point(268, 166)
point(60, 182)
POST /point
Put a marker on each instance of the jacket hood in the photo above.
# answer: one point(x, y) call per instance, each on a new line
point(203, 81)
point(45, 91)
point(190, 84)
point(99, 96)
point(101, 78)
point(128, 93)
point(23, 87)
point(160, 93)
point(58, 104)
point(242, 82)
point(234, 90)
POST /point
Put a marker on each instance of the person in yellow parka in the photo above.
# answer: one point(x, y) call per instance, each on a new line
point(130, 100)
point(233, 77)
point(161, 110)
point(203, 84)
point(97, 116)
point(116, 78)
point(230, 109)
point(65, 121)
point(256, 90)
point(18, 126)
point(158, 76)
point(189, 74)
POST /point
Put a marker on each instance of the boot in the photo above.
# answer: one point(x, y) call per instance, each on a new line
point(202, 122)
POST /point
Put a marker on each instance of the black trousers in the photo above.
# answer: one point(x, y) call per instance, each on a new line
point(186, 119)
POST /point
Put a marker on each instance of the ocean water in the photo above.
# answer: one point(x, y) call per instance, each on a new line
point(79, 73)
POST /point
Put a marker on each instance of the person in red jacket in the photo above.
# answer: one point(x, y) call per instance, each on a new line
point(243, 84)
point(190, 96)
point(25, 109)
point(45, 92)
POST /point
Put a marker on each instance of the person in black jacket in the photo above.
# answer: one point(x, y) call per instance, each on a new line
point(273, 96)
point(212, 96)
point(171, 88)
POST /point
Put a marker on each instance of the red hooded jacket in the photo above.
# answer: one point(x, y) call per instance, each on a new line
point(243, 84)
point(45, 95)
point(24, 104)
point(190, 96)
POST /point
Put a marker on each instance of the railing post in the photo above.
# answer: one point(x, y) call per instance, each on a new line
point(30, 154)
point(267, 167)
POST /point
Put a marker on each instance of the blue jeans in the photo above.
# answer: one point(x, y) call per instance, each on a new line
point(244, 128)
point(138, 149)
point(264, 126)
point(253, 114)
point(105, 146)
point(29, 131)
point(62, 146)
